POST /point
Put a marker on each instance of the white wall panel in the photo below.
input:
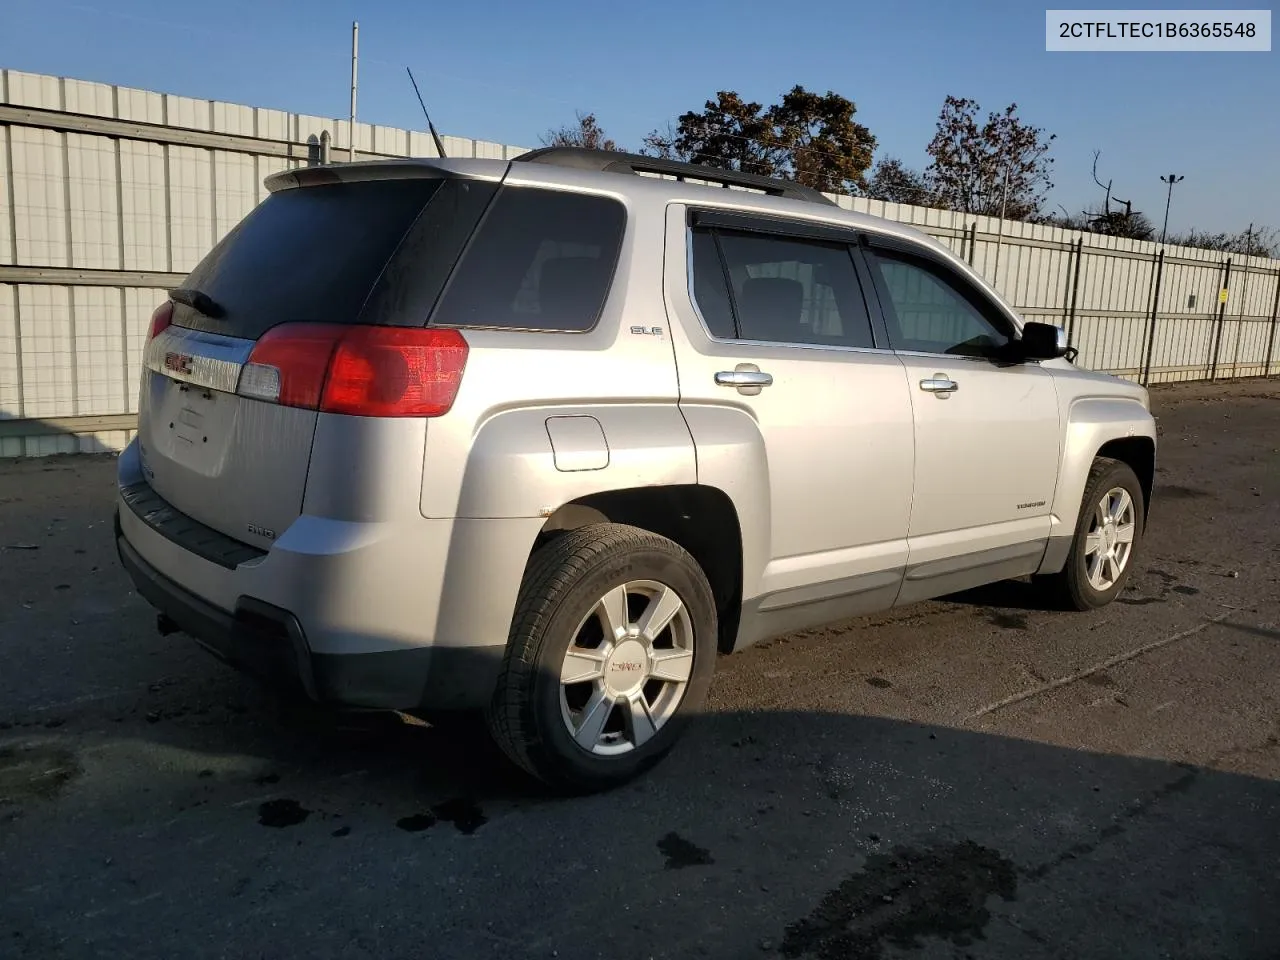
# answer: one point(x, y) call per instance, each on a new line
point(233, 118)
point(34, 90)
point(143, 208)
point(235, 189)
point(10, 382)
point(99, 351)
point(95, 210)
point(40, 196)
point(7, 253)
point(190, 206)
point(141, 105)
point(139, 304)
point(47, 358)
point(95, 99)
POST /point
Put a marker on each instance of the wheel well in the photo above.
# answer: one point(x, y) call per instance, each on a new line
point(1140, 454)
point(701, 519)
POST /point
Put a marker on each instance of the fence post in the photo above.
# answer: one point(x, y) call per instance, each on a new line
point(1066, 288)
point(973, 240)
point(1244, 302)
point(1075, 291)
point(1222, 310)
point(1151, 322)
point(1271, 337)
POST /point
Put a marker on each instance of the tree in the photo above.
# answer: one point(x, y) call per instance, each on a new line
point(977, 166)
point(1254, 242)
point(1133, 224)
point(822, 145)
point(729, 133)
point(811, 138)
point(586, 133)
point(894, 181)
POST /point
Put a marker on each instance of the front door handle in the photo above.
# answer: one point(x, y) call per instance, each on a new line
point(940, 385)
point(744, 378)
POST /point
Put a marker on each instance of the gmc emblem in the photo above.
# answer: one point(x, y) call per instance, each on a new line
point(177, 362)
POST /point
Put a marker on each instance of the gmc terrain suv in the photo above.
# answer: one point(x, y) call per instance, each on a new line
point(541, 437)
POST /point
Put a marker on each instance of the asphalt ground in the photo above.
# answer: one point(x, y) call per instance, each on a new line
point(976, 777)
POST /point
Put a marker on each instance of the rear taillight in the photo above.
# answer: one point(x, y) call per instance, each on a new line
point(357, 370)
point(161, 317)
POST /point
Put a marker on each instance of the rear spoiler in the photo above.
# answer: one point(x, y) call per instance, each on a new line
point(385, 170)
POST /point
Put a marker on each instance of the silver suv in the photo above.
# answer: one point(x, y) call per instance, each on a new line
point(541, 437)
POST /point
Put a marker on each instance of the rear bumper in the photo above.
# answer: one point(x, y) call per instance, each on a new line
point(268, 642)
point(408, 614)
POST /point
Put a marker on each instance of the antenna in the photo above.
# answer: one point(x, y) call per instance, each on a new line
point(434, 136)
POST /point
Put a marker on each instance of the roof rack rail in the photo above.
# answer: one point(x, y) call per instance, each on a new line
point(614, 162)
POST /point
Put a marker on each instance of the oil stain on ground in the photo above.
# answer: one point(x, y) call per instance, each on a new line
point(1008, 621)
point(35, 772)
point(1177, 492)
point(681, 853)
point(901, 897)
point(462, 812)
point(282, 813)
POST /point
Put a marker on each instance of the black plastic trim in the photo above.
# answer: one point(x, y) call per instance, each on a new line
point(780, 226)
point(606, 161)
point(193, 536)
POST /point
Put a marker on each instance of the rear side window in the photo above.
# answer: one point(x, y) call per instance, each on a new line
point(308, 253)
point(541, 260)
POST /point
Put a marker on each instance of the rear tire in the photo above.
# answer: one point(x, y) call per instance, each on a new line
point(1107, 538)
point(611, 651)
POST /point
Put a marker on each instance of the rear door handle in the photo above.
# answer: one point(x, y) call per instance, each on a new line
point(744, 378)
point(939, 384)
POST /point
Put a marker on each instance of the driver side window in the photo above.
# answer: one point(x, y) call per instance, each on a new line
point(928, 314)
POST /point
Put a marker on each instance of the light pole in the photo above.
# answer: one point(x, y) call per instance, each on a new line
point(1171, 179)
point(1004, 197)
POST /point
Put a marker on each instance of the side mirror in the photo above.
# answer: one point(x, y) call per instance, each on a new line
point(1042, 341)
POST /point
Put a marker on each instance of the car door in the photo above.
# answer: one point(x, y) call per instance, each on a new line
point(987, 431)
point(788, 394)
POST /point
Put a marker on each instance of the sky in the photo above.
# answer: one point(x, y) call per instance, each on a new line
point(508, 72)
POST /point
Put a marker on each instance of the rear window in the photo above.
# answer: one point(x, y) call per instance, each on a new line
point(541, 260)
point(309, 253)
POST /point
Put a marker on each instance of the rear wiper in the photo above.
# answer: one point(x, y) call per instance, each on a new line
point(200, 302)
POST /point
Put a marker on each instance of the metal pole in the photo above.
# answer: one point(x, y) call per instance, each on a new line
point(1004, 196)
point(1222, 310)
point(1244, 299)
point(1170, 180)
point(1271, 338)
point(1151, 323)
point(973, 240)
point(1066, 289)
point(1075, 291)
point(355, 59)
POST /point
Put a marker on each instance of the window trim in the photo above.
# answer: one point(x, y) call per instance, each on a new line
point(961, 285)
point(793, 228)
point(875, 321)
point(623, 238)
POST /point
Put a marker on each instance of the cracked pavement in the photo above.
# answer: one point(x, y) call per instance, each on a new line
point(974, 777)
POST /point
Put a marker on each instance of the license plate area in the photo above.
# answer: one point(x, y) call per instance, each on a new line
point(194, 426)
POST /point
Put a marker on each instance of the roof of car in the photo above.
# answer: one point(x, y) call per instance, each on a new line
point(632, 176)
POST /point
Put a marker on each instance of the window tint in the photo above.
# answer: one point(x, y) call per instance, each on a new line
point(928, 313)
point(308, 253)
point(710, 289)
point(795, 291)
point(542, 260)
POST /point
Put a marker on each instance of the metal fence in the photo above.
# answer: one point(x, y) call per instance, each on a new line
point(109, 195)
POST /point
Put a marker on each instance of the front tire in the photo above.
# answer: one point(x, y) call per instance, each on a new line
point(1108, 533)
point(611, 650)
